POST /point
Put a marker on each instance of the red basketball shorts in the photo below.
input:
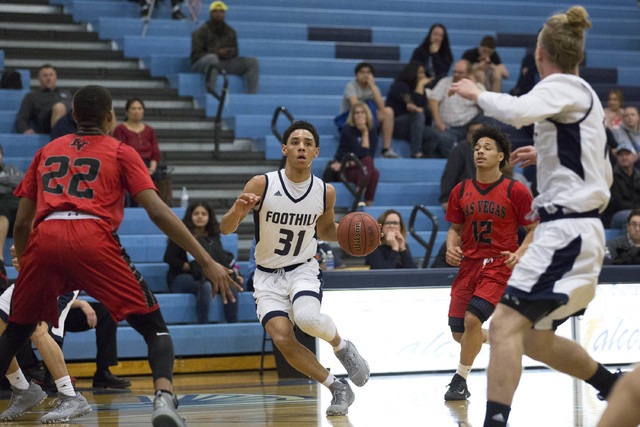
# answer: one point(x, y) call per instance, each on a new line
point(483, 278)
point(65, 255)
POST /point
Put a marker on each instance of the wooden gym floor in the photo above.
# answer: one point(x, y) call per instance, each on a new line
point(245, 399)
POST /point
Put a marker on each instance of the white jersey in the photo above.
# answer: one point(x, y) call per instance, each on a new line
point(573, 168)
point(286, 223)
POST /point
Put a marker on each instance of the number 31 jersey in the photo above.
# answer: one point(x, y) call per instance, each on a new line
point(490, 215)
point(87, 173)
point(285, 225)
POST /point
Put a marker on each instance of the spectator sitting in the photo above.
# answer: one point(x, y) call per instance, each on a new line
point(450, 113)
point(460, 165)
point(42, 108)
point(434, 54)
point(214, 45)
point(407, 99)
point(67, 125)
point(625, 190)
point(10, 177)
point(145, 8)
point(360, 138)
point(185, 274)
point(140, 136)
point(364, 89)
point(486, 64)
point(625, 249)
point(321, 256)
point(528, 77)
point(393, 252)
point(629, 130)
point(613, 111)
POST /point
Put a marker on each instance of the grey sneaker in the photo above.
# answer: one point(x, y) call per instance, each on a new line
point(390, 154)
point(22, 401)
point(68, 408)
point(356, 366)
point(343, 397)
point(457, 389)
point(165, 412)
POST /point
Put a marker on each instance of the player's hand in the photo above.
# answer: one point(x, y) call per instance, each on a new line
point(524, 156)
point(221, 282)
point(89, 312)
point(14, 258)
point(511, 259)
point(245, 202)
point(454, 256)
point(466, 88)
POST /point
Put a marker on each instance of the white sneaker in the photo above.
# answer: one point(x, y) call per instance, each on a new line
point(23, 401)
point(356, 366)
point(68, 408)
point(165, 411)
point(342, 398)
point(390, 154)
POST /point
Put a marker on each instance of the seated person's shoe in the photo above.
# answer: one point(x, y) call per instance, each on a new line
point(105, 379)
point(177, 14)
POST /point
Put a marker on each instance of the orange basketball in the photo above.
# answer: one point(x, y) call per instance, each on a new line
point(358, 234)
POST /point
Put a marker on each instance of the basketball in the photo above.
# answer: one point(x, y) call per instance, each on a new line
point(358, 234)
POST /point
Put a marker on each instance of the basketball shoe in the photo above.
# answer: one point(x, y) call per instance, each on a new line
point(165, 412)
point(68, 408)
point(457, 389)
point(356, 366)
point(22, 401)
point(342, 398)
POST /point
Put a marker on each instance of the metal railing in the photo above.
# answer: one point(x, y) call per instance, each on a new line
point(356, 190)
point(152, 5)
point(274, 128)
point(218, 120)
point(434, 231)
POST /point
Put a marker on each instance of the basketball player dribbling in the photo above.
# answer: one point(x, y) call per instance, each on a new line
point(557, 276)
point(289, 207)
point(485, 213)
point(71, 203)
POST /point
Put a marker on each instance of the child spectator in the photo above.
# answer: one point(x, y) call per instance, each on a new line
point(488, 69)
point(613, 111)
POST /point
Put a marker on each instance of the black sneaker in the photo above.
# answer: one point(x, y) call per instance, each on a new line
point(457, 389)
point(144, 10)
point(106, 379)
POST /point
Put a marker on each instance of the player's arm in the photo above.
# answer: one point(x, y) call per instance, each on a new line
point(513, 258)
point(243, 204)
point(326, 226)
point(167, 221)
point(454, 245)
point(23, 225)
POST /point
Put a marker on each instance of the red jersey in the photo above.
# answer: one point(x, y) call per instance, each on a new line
point(490, 215)
point(88, 174)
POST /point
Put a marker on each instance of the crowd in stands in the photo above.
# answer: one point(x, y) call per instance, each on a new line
point(418, 109)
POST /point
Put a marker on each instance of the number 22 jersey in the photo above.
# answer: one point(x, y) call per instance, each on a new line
point(286, 224)
point(84, 173)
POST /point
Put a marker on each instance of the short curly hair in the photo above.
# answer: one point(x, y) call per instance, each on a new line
point(501, 139)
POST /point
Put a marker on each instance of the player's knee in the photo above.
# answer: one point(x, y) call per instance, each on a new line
point(39, 334)
point(457, 336)
point(310, 323)
point(284, 340)
point(472, 322)
point(148, 325)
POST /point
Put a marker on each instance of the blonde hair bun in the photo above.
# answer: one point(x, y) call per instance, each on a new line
point(577, 16)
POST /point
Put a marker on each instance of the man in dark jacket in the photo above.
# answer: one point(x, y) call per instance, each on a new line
point(625, 190)
point(625, 249)
point(214, 46)
point(41, 108)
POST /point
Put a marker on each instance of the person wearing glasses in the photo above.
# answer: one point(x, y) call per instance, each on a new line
point(625, 249)
point(393, 251)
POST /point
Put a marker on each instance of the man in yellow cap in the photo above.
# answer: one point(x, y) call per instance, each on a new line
point(214, 46)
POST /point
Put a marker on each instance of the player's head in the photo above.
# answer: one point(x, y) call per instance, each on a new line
point(357, 109)
point(47, 76)
point(199, 215)
point(562, 39)
point(92, 107)
point(300, 124)
point(391, 220)
point(500, 139)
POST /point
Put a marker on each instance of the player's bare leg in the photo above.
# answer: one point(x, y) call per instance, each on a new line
point(470, 345)
point(623, 409)
point(280, 329)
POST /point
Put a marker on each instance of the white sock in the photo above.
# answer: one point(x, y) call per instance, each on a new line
point(463, 370)
point(330, 380)
point(64, 386)
point(340, 346)
point(18, 380)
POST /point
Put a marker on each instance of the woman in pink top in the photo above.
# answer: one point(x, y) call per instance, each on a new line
point(138, 135)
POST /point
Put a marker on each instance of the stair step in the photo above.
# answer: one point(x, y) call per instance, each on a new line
point(56, 45)
point(26, 8)
point(109, 83)
point(58, 18)
point(52, 54)
point(27, 26)
point(46, 33)
point(71, 63)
